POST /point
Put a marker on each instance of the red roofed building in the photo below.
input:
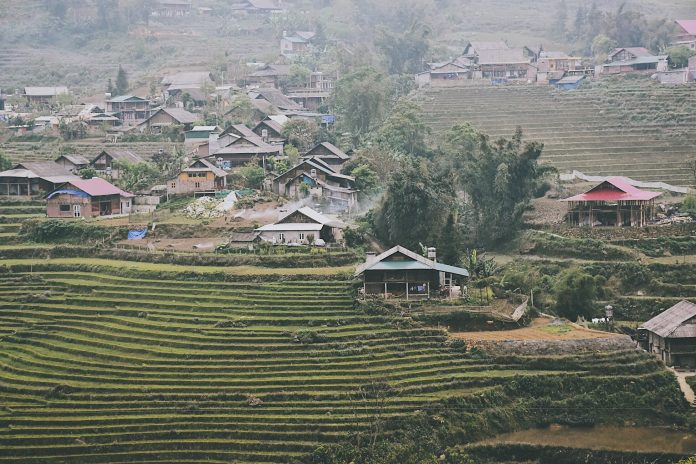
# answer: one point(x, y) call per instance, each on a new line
point(615, 203)
point(687, 33)
point(88, 198)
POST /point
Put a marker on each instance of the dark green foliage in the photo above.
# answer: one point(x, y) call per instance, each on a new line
point(404, 50)
point(679, 56)
point(576, 292)
point(449, 245)
point(121, 82)
point(361, 100)
point(62, 230)
point(5, 161)
point(662, 246)
point(415, 206)
point(543, 244)
point(366, 180)
point(138, 176)
point(87, 172)
point(500, 178)
point(404, 130)
point(252, 174)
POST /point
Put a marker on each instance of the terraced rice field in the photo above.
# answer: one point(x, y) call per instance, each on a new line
point(13, 214)
point(96, 368)
point(630, 128)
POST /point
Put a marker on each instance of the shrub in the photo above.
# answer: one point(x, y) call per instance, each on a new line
point(61, 230)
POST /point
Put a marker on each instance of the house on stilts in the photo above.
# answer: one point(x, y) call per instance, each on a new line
point(613, 202)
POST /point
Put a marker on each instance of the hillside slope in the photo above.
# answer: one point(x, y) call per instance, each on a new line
point(627, 127)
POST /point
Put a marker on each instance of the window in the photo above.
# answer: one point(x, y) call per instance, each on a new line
point(302, 236)
point(198, 185)
point(128, 204)
point(281, 237)
point(64, 208)
point(173, 185)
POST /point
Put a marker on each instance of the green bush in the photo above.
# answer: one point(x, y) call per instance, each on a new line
point(70, 231)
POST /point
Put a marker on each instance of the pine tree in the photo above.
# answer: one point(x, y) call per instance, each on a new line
point(449, 249)
point(121, 81)
point(110, 88)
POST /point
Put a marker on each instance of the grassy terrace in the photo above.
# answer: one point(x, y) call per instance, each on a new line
point(106, 369)
point(630, 128)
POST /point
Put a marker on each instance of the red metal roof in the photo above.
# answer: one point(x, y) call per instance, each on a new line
point(689, 25)
point(614, 189)
point(96, 187)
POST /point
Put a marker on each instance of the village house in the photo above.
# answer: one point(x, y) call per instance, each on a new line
point(244, 240)
point(271, 129)
point(174, 86)
point(314, 178)
point(244, 149)
point(72, 162)
point(402, 274)
point(303, 226)
point(108, 162)
point(686, 35)
point(33, 178)
point(276, 98)
point(200, 177)
point(504, 64)
point(172, 8)
point(297, 43)
point(40, 96)
point(633, 60)
point(671, 335)
point(269, 75)
point(261, 6)
point(446, 74)
point(167, 117)
point(329, 154)
point(88, 198)
point(129, 109)
point(200, 136)
point(613, 202)
point(554, 66)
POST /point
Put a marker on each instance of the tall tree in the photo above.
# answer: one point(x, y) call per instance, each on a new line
point(449, 244)
point(405, 51)
point(360, 100)
point(415, 206)
point(121, 81)
point(500, 179)
point(404, 130)
point(560, 18)
point(301, 133)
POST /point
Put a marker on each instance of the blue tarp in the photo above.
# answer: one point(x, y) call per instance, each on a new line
point(137, 234)
point(78, 193)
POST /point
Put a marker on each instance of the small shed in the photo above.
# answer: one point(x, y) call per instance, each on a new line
point(570, 82)
point(401, 273)
point(671, 335)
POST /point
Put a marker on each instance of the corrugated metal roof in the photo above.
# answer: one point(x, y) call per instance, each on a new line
point(417, 262)
point(689, 25)
point(97, 186)
point(669, 322)
point(45, 91)
point(614, 189)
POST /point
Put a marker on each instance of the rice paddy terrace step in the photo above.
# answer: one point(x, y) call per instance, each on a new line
point(103, 369)
point(605, 126)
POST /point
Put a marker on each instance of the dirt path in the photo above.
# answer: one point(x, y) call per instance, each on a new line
point(541, 329)
point(684, 385)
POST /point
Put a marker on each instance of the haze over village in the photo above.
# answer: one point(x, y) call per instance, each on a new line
point(347, 232)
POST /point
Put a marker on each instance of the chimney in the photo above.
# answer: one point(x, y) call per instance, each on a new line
point(370, 257)
point(432, 254)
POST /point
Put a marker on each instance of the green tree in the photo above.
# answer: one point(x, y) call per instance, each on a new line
point(137, 176)
point(361, 100)
point(576, 292)
point(449, 245)
point(560, 18)
point(405, 51)
point(679, 56)
point(110, 89)
point(252, 174)
point(87, 172)
point(366, 180)
point(5, 161)
point(121, 81)
point(415, 206)
point(299, 77)
point(301, 133)
point(500, 179)
point(404, 130)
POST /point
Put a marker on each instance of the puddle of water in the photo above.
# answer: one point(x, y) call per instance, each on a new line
point(642, 439)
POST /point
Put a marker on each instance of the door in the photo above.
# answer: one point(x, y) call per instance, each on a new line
point(77, 210)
